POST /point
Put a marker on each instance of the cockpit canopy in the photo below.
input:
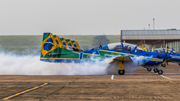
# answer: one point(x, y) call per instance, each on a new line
point(127, 47)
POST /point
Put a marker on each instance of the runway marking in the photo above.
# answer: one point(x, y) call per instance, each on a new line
point(14, 95)
point(112, 77)
point(160, 75)
point(165, 77)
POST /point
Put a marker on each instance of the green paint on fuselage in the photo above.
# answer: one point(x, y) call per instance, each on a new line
point(104, 53)
point(62, 53)
point(69, 54)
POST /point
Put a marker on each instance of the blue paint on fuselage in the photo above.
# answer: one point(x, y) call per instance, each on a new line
point(68, 60)
point(175, 57)
point(171, 55)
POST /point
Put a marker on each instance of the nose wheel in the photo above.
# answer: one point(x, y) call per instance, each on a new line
point(160, 72)
point(155, 70)
point(149, 69)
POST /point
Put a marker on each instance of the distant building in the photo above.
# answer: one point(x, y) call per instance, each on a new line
point(150, 38)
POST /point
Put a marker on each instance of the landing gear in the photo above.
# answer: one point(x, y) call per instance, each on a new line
point(163, 65)
point(155, 70)
point(160, 72)
point(149, 69)
point(121, 72)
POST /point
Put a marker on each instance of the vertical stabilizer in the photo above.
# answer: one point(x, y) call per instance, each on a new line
point(48, 44)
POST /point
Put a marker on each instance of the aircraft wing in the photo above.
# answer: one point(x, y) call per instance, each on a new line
point(121, 59)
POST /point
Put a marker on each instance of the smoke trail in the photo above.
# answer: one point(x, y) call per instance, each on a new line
point(12, 64)
point(136, 63)
point(129, 67)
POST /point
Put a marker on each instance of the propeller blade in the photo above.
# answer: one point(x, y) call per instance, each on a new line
point(167, 56)
point(166, 48)
point(153, 49)
point(165, 62)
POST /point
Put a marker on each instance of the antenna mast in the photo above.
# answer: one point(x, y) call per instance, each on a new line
point(153, 23)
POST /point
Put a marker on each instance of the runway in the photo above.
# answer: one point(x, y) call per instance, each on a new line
point(138, 86)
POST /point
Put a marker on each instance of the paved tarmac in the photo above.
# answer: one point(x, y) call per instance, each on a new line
point(140, 85)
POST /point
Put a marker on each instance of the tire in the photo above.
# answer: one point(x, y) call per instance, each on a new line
point(160, 72)
point(163, 65)
point(149, 69)
point(121, 72)
point(155, 70)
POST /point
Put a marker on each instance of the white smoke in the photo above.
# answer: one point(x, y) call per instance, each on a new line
point(129, 67)
point(139, 60)
point(136, 63)
point(12, 64)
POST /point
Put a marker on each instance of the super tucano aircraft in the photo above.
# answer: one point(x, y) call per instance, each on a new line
point(55, 49)
point(174, 56)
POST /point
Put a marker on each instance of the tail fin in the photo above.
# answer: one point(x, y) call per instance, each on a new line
point(52, 48)
point(69, 42)
point(65, 44)
point(76, 45)
point(48, 44)
point(58, 41)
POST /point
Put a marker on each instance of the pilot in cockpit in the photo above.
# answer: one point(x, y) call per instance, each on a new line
point(126, 48)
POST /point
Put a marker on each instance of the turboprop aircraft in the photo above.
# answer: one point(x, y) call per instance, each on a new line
point(56, 49)
point(174, 56)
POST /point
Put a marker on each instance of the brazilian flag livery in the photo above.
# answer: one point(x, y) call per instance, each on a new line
point(54, 50)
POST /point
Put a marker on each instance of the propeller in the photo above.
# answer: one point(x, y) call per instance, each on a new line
point(161, 49)
point(166, 56)
point(152, 49)
point(148, 48)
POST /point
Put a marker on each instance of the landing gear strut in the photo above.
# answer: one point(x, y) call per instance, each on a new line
point(121, 70)
point(163, 65)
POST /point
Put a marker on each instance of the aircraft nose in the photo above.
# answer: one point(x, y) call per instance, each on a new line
point(168, 56)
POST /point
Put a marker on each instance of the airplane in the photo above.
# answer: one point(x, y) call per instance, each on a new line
point(55, 49)
point(174, 56)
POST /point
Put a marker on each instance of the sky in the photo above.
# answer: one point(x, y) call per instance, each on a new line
point(86, 17)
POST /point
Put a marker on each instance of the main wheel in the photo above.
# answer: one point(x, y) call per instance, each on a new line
point(149, 69)
point(160, 72)
point(121, 72)
point(155, 70)
point(163, 65)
